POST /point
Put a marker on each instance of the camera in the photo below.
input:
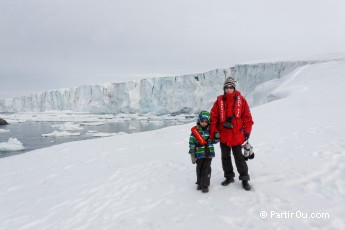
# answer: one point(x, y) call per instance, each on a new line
point(228, 123)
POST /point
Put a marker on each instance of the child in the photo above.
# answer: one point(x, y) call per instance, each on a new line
point(202, 151)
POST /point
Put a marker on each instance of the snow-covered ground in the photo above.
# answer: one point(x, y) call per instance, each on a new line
point(146, 180)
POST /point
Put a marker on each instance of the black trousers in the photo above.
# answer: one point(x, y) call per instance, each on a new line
point(203, 171)
point(240, 162)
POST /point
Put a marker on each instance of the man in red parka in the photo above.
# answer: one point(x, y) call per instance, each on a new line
point(232, 121)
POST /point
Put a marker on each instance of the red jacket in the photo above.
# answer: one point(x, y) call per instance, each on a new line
point(226, 106)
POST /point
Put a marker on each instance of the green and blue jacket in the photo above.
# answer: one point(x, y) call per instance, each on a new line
point(201, 151)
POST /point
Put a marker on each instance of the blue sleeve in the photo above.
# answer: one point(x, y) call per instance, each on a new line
point(192, 142)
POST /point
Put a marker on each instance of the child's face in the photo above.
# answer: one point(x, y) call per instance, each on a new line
point(203, 123)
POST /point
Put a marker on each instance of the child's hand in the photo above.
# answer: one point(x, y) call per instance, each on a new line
point(215, 141)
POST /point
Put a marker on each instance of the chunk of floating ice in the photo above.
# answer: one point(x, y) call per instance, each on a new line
point(13, 144)
point(60, 134)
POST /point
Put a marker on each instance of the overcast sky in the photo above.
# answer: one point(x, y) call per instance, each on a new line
point(66, 43)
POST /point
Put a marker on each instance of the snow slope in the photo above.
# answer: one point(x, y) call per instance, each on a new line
point(146, 180)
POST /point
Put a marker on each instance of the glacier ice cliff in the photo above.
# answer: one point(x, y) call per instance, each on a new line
point(164, 95)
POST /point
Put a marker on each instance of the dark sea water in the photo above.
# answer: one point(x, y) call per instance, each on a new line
point(30, 133)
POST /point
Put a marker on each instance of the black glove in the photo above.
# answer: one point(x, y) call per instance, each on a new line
point(216, 138)
point(246, 136)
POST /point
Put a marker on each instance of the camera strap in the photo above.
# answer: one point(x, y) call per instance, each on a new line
point(233, 106)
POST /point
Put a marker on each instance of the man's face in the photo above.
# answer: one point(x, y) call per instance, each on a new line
point(229, 89)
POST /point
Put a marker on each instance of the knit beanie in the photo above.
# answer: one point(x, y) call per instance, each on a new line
point(230, 81)
point(204, 115)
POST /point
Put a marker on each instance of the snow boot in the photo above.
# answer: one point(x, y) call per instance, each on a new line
point(199, 187)
point(246, 185)
point(204, 189)
point(228, 181)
